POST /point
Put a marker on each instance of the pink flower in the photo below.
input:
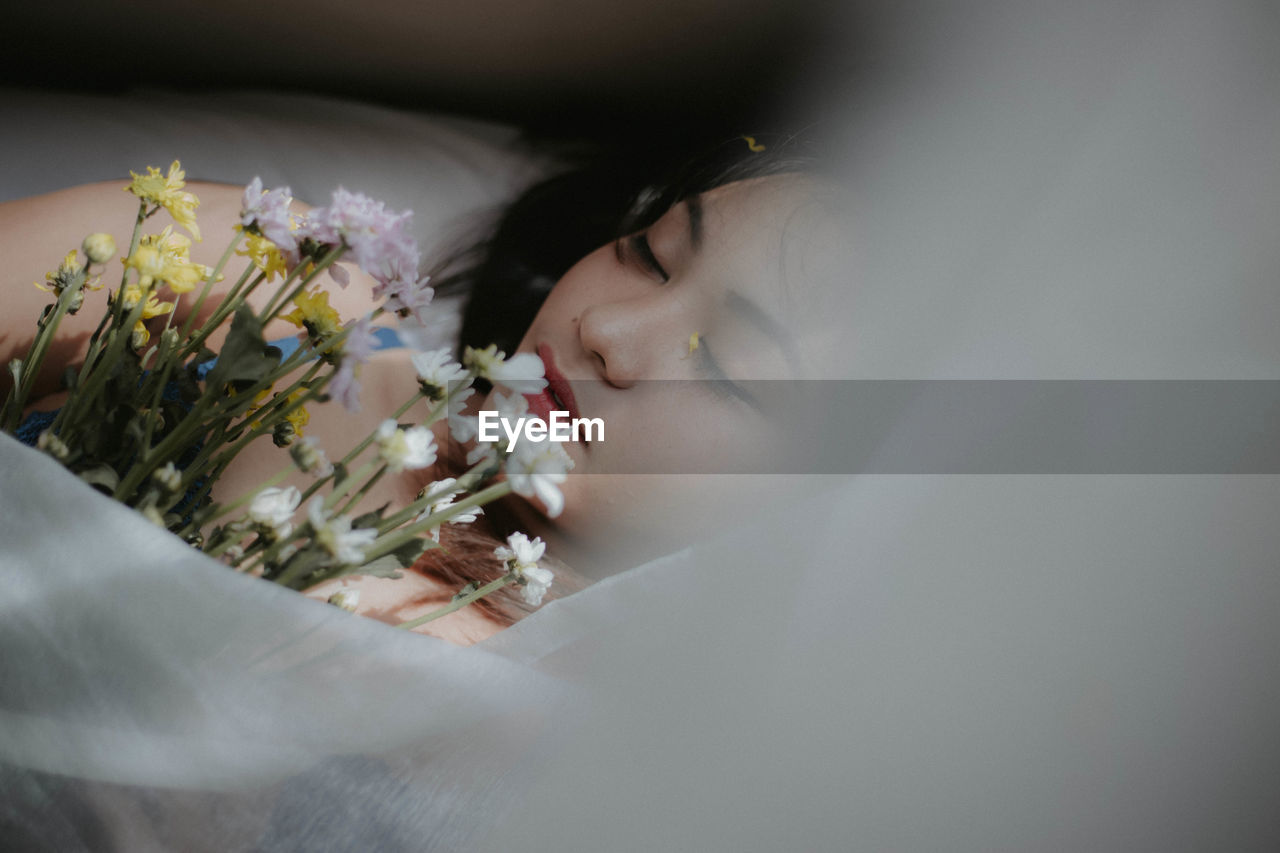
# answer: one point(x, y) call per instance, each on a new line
point(358, 346)
point(345, 387)
point(269, 213)
point(378, 239)
point(407, 298)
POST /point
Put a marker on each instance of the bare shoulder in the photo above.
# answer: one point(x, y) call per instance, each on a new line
point(36, 233)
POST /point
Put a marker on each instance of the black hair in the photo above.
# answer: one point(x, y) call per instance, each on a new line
point(536, 240)
point(603, 196)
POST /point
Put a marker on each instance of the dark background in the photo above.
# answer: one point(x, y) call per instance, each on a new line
point(570, 66)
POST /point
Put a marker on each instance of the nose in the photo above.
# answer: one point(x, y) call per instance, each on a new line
point(626, 337)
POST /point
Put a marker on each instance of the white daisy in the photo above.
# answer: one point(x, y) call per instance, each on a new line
point(521, 557)
point(437, 368)
point(273, 509)
point(536, 469)
point(444, 499)
point(405, 449)
point(523, 372)
point(335, 535)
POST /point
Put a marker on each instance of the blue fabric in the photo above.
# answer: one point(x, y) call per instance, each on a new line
point(384, 339)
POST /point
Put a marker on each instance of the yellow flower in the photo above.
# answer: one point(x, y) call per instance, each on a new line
point(312, 312)
point(299, 417)
point(166, 191)
point(258, 399)
point(153, 307)
point(64, 276)
point(264, 255)
point(99, 247)
point(56, 281)
point(295, 420)
point(166, 257)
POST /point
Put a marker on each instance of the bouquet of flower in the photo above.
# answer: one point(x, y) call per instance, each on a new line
point(154, 415)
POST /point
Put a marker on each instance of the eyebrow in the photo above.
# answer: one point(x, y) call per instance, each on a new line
point(693, 204)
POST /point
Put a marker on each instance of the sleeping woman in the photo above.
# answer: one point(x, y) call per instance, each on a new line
point(658, 305)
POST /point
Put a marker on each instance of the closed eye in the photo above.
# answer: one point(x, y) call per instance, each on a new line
point(637, 247)
point(720, 383)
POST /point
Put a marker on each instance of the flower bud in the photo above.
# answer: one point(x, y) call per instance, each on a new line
point(347, 599)
point(99, 248)
point(284, 434)
point(272, 510)
point(75, 302)
point(310, 458)
point(54, 446)
point(168, 478)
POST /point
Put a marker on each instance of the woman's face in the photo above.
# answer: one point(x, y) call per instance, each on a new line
point(666, 337)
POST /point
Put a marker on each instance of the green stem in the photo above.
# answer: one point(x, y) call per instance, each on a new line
point(348, 482)
point(392, 540)
point(464, 483)
point(117, 339)
point(224, 310)
point(48, 328)
point(364, 490)
point(273, 308)
point(224, 509)
point(95, 347)
point(360, 448)
point(209, 282)
point(160, 381)
point(459, 603)
point(274, 410)
point(183, 431)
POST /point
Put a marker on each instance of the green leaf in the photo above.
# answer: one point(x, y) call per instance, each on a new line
point(245, 356)
point(301, 566)
point(370, 519)
point(408, 553)
point(385, 566)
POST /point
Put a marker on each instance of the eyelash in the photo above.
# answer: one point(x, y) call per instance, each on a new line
point(721, 385)
point(637, 246)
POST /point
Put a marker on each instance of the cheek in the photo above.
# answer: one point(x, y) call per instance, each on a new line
point(576, 291)
point(679, 427)
point(621, 521)
point(664, 472)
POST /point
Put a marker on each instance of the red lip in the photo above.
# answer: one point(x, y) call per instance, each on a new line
point(558, 389)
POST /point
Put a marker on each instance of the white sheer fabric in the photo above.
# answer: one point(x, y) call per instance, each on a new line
point(908, 663)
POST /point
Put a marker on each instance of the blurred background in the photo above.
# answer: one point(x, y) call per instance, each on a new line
point(566, 66)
